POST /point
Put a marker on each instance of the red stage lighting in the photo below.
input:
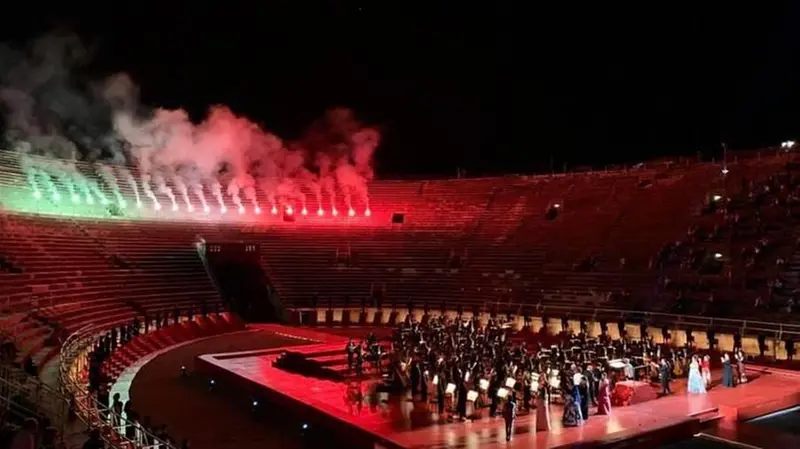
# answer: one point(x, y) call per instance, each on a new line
point(304, 211)
point(335, 212)
point(351, 213)
point(289, 210)
point(320, 212)
point(274, 210)
point(367, 213)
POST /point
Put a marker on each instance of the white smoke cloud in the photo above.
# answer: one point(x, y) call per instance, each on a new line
point(48, 113)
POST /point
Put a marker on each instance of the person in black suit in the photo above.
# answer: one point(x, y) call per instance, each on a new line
point(663, 376)
point(509, 415)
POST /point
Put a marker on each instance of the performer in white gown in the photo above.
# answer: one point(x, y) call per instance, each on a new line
point(696, 383)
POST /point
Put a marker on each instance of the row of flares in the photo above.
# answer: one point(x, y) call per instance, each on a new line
point(80, 189)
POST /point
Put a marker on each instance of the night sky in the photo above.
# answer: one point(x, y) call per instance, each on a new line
point(490, 87)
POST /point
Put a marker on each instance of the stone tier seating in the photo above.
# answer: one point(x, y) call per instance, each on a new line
point(149, 343)
point(508, 251)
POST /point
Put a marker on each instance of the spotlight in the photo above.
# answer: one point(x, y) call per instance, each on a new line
point(123, 204)
point(138, 204)
point(104, 201)
point(274, 210)
point(241, 210)
point(367, 213)
point(289, 210)
point(211, 384)
point(258, 210)
point(190, 208)
point(37, 194)
point(206, 209)
point(76, 199)
point(174, 208)
point(351, 213)
point(305, 426)
point(89, 200)
point(183, 371)
point(157, 206)
point(335, 212)
point(304, 211)
point(56, 197)
point(320, 212)
point(223, 209)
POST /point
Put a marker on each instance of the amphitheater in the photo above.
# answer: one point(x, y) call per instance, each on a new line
point(83, 250)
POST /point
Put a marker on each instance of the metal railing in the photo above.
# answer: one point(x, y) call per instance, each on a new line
point(114, 428)
point(598, 314)
point(32, 394)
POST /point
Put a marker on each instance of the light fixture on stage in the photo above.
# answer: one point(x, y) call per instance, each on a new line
point(304, 211)
point(211, 384)
point(305, 426)
point(320, 212)
point(351, 213)
point(258, 210)
point(367, 213)
point(254, 406)
point(183, 370)
point(274, 210)
point(334, 212)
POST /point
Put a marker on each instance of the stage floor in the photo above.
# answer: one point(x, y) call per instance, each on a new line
point(404, 425)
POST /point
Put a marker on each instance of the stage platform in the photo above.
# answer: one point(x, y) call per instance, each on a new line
point(404, 425)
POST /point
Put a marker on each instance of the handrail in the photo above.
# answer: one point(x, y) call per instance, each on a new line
point(73, 361)
point(577, 311)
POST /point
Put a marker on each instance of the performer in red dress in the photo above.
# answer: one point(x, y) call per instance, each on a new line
point(604, 396)
point(705, 371)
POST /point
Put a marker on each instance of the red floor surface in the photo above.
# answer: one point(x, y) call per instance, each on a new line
point(405, 425)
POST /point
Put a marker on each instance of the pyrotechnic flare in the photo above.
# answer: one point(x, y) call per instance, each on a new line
point(132, 183)
point(176, 179)
point(164, 189)
point(30, 174)
point(216, 190)
point(108, 176)
point(48, 182)
point(93, 187)
point(148, 191)
point(233, 192)
point(65, 179)
point(198, 192)
point(80, 181)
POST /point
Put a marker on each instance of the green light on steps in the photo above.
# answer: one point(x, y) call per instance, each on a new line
point(37, 194)
point(76, 198)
